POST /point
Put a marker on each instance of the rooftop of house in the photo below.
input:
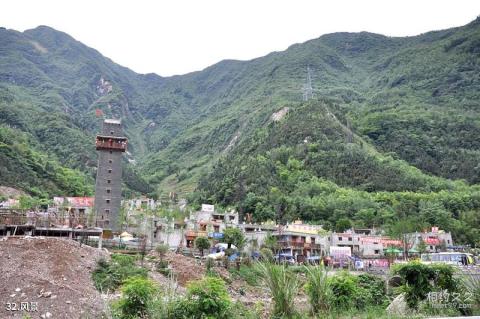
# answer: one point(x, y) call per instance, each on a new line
point(431, 232)
point(74, 201)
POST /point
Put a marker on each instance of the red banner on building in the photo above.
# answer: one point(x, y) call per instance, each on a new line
point(432, 241)
point(385, 241)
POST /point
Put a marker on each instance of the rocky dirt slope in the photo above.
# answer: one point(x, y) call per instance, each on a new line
point(48, 278)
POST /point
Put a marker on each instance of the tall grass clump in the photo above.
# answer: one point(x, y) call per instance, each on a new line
point(109, 275)
point(471, 282)
point(283, 287)
point(317, 288)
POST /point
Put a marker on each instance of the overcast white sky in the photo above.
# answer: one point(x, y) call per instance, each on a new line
point(180, 36)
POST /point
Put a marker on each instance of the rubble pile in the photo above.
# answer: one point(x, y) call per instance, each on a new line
point(48, 278)
point(185, 268)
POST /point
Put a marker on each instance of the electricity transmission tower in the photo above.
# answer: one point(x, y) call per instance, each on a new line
point(307, 87)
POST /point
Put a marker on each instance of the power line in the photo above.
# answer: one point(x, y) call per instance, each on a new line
point(307, 87)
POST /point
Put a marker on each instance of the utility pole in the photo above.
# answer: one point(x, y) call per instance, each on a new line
point(349, 138)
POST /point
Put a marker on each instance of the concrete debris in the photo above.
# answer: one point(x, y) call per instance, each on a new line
point(398, 306)
point(47, 294)
point(46, 315)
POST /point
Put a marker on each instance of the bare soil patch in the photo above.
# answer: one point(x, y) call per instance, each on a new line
point(52, 274)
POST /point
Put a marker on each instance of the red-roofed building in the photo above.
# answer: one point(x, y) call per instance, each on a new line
point(77, 202)
point(74, 210)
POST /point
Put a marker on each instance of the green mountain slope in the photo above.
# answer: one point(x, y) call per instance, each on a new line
point(33, 171)
point(388, 116)
point(416, 98)
point(308, 165)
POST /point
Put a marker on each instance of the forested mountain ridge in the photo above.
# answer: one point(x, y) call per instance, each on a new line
point(381, 106)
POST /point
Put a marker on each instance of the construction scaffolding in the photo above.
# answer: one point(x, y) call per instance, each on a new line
point(14, 222)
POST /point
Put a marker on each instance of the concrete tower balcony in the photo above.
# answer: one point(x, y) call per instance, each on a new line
point(105, 142)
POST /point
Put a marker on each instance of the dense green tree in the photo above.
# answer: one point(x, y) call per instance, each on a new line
point(202, 243)
point(271, 243)
point(342, 225)
point(435, 214)
point(234, 236)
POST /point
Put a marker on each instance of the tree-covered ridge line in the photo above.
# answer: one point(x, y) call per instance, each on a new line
point(429, 83)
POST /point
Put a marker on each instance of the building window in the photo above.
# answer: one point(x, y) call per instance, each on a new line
point(109, 181)
point(107, 211)
point(109, 170)
point(448, 241)
point(111, 132)
point(376, 251)
point(107, 201)
point(110, 161)
point(110, 152)
point(108, 190)
point(349, 238)
point(340, 238)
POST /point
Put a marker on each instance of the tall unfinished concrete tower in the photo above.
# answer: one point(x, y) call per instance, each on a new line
point(110, 144)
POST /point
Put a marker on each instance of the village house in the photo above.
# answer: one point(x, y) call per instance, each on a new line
point(77, 208)
point(168, 231)
point(435, 240)
point(207, 222)
point(298, 240)
point(364, 242)
point(301, 241)
point(255, 234)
